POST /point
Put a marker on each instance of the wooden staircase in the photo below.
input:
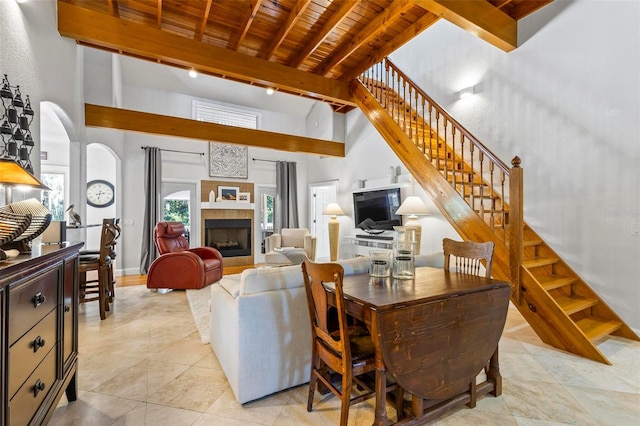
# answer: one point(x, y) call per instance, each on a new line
point(482, 199)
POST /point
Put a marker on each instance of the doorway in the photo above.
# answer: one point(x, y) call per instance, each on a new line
point(265, 214)
point(179, 205)
point(321, 194)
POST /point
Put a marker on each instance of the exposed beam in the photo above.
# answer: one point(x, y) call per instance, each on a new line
point(478, 17)
point(378, 24)
point(136, 121)
point(159, 21)
point(249, 16)
point(203, 21)
point(139, 40)
point(294, 16)
point(113, 8)
point(345, 8)
point(410, 32)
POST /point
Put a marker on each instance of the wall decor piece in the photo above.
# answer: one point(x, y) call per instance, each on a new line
point(15, 131)
point(228, 193)
point(228, 160)
point(244, 197)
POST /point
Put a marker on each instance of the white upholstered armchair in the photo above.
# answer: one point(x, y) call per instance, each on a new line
point(289, 246)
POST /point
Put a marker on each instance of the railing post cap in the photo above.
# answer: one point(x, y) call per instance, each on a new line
point(516, 161)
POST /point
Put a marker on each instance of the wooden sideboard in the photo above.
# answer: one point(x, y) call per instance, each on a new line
point(39, 333)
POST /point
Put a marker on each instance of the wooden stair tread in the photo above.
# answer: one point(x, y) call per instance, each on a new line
point(574, 304)
point(595, 328)
point(549, 282)
point(530, 243)
point(539, 261)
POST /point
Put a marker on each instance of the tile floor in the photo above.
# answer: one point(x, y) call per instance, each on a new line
point(145, 365)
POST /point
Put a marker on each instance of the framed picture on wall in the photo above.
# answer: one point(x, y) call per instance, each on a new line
point(244, 197)
point(228, 160)
point(228, 193)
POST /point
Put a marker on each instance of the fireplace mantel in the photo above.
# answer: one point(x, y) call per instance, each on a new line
point(228, 205)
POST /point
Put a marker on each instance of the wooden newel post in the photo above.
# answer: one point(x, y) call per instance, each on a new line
point(516, 223)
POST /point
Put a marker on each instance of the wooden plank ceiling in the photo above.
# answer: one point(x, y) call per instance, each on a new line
point(311, 48)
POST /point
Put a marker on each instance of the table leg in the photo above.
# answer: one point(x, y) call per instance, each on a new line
point(494, 376)
point(381, 377)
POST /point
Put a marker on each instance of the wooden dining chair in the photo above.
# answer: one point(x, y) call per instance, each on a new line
point(337, 347)
point(469, 256)
point(101, 288)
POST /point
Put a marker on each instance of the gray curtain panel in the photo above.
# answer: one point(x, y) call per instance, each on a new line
point(286, 195)
point(152, 206)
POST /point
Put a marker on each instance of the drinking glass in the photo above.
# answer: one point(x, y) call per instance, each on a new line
point(379, 263)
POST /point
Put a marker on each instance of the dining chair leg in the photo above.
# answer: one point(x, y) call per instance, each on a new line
point(312, 390)
point(346, 397)
point(400, 402)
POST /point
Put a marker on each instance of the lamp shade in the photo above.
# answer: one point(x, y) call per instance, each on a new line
point(333, 209)
point(12, 173)
point(412, 206)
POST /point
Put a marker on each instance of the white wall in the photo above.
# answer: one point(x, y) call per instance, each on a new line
point(567, 102)
point(46, 66)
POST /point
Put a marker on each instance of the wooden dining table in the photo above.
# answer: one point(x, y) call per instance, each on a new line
point(434, 334)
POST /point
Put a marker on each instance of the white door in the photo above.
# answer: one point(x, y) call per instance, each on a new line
point(321, 194)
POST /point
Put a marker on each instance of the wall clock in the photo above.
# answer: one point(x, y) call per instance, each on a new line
point(100, 193)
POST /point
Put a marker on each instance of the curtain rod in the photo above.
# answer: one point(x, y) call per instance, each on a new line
point(173, 150)
point(268, 161)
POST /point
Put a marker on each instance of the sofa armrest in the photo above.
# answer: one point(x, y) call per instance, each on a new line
point(206, 253)
point(310, 246)
point(272, 241)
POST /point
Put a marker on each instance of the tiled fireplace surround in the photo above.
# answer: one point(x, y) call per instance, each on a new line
point(227, 210)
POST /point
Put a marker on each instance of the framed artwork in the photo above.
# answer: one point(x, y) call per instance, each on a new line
point(228, 160)
point(228, 193)
point(244, 197)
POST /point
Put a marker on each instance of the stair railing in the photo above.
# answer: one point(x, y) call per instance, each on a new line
point(484, 181)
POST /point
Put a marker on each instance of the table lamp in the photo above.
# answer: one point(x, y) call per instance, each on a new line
point(334, 210)
point(12, 174)
point(412, 207)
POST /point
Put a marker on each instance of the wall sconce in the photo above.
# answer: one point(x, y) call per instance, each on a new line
point(270, 91)
point(193, 73)
point(333, 210)
point(467, 92)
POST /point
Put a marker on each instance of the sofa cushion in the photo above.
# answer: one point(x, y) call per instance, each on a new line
point(231, 283)
point(259, 280)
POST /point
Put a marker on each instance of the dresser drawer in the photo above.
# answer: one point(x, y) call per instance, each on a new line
point(26, 401)
point(29, 350)
point(31, 301)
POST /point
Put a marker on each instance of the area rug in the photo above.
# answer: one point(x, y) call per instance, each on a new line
point(199, 302)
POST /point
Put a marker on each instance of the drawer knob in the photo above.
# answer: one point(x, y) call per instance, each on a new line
point(38, 387)
point(38, 342)
point(39, 299)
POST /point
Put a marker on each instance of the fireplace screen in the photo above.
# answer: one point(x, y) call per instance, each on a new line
point(231, 237)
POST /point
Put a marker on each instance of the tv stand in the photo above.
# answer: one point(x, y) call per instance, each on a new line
point(375, 236)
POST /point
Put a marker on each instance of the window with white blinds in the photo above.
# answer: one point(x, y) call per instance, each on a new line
point(222, 115)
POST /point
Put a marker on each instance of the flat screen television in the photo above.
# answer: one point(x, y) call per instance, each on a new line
point(375, 211)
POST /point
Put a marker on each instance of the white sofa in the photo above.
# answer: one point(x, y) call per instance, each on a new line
point(260, 330)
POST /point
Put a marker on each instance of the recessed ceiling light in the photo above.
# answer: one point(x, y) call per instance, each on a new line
point(193, 74)
point(269, 91)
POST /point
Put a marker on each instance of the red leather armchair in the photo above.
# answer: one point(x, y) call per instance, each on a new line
point(178, 266)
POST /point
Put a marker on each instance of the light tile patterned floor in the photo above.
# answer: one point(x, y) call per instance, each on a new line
point(145, 365)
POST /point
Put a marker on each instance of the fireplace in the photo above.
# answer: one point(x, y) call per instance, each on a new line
point(231, 237)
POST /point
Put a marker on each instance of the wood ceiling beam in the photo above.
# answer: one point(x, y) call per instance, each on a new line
point(140, 40)
point(159, 22)
point(113, 7)
point(478, 17)
point(345, 8)
point(410, 32)
point(136, 121)
point(292, 19)
point(203, 21)
point(249, 16)
point(377, 25)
